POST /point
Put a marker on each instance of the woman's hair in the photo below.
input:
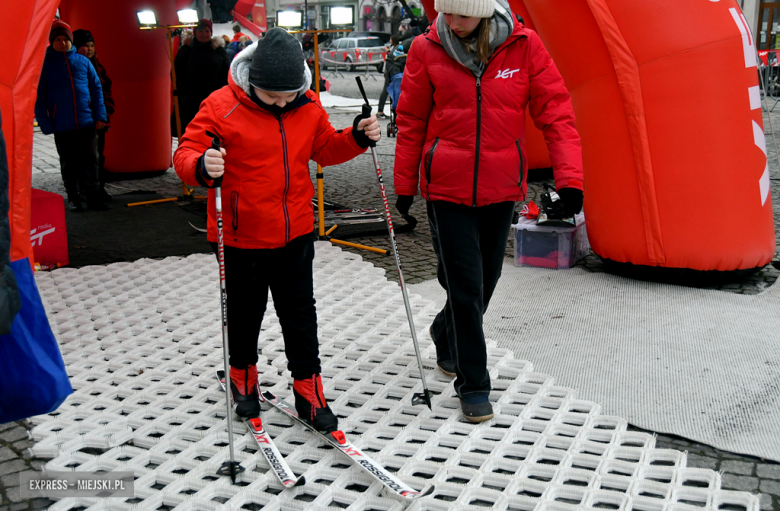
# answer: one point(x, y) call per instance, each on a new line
point(394, 39)
point(483, 40)
point(226, 39)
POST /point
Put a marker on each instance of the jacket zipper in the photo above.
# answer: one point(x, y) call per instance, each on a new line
point(429, 161)
point(73, 88)
point(286, 183)
point(234, 207)
point(479, 129)
point(520, 152)
point(483, 69)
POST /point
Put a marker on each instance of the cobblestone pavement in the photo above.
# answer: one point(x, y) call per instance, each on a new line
point(354, 184)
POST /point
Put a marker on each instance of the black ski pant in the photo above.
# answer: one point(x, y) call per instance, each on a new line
point(78, 161)
point(287, 272)
point(469, 244)
point(383, 95)
point(101, 146)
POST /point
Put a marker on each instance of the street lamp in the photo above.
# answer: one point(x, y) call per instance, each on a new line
point(289, 19)
point(146, 18)
point(188, 16)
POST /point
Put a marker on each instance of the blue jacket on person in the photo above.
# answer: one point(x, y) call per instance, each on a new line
point(69, 93)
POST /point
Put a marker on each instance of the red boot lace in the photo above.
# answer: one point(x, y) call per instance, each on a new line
point(311, 389)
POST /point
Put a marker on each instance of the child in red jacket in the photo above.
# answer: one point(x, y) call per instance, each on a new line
point(270, 126)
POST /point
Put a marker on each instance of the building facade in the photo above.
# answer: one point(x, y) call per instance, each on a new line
point(371, 15)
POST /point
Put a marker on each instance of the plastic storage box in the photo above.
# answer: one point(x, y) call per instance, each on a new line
point(550, 247)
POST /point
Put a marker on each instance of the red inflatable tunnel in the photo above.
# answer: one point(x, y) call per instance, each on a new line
point(676, 172)
point(137, 62)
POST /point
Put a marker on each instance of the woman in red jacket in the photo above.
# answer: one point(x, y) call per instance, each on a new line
point(270, 126)
point(461, 120)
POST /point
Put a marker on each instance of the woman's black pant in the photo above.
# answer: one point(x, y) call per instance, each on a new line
point(287, 272)
point(78, 162)
point(470, 244)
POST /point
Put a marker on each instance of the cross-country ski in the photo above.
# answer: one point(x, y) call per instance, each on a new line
point(339, 440)
point(280, 468)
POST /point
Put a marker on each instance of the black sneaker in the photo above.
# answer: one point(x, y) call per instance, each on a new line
point(311, 405)
point(245, 392)
point(445, 363)
point(381, 115)
point(75, 206)
point(476, 408)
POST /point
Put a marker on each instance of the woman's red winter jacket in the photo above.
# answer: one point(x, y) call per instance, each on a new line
point(266, 188)
point(463, 139)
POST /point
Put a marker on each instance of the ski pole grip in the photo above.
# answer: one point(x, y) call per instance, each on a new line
point(216, 143)
point(366, 114)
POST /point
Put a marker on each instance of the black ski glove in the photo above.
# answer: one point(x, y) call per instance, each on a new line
point(402, 204)
point(572, 200)
point(360, 137)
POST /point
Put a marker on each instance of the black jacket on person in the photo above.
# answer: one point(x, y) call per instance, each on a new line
point(394, 65)
point(10, 302)
point(201, 68)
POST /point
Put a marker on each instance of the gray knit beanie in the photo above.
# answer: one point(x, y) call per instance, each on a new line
point(277, 64)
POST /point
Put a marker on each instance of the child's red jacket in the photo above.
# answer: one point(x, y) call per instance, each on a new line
point(266, 188)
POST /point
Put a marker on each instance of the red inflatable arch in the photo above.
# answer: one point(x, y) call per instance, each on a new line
point(675, 166)
point(137, 62)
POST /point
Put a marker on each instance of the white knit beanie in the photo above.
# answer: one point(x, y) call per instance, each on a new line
point(471, 8)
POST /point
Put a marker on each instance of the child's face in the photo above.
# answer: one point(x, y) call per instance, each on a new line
point(61, 43)
point(88, 50)
point(279, 99)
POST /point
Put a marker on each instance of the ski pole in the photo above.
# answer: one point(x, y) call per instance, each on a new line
point(425, 396)
point(231, 468)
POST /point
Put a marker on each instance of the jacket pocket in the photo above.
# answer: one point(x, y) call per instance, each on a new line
point(520, 153)
point(429, 161)
point(234, 209)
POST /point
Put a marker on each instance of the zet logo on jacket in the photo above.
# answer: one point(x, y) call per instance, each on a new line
point(506, 73)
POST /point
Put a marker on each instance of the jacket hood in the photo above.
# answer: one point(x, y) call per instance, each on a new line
point(239, 70)
point(520, 30)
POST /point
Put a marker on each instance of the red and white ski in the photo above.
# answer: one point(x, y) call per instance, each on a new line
point(339, 440)
point(279, 467)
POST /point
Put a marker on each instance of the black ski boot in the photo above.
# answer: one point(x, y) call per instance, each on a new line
point(245, 391)
point(311, 405)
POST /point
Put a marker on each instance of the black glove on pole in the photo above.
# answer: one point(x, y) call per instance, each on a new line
point(425, 396)
point(572, 200)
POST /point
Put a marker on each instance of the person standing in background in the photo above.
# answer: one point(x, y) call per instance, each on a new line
point(85, 45)
point(202, 66)
point(70, 105)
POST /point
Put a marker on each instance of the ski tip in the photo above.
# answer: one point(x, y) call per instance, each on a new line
point(301, 481)
point(221, 374)
point(427, 490)
point(268, 396)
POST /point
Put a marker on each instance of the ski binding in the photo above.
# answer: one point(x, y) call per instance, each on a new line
point(339, 440)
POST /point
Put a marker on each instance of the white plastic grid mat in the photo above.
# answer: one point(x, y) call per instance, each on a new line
point(142, 341)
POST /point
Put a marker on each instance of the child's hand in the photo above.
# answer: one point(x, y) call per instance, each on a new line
point(214, 162)
point(371, 128)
